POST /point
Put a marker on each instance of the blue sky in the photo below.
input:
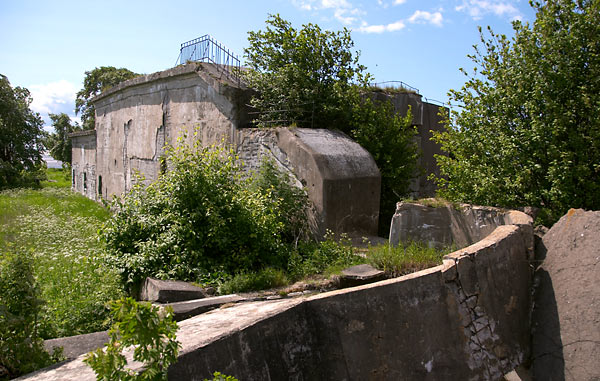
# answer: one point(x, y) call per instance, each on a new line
point(46, 46)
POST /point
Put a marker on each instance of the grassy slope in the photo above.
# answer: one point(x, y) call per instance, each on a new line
point(60, 228)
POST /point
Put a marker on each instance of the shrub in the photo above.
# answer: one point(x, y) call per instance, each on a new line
point(21, 347)
point(200, 217)
point(149, 330)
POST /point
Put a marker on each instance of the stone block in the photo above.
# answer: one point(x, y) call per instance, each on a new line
point(359, 275)
point(187, 309)
point(168, 291)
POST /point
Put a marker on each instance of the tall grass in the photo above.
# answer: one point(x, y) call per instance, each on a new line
point(405, 258)
point(60, 228)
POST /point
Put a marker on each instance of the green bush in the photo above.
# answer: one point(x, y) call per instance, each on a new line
point(21, 347)
point(150, 331)
point(200, 217)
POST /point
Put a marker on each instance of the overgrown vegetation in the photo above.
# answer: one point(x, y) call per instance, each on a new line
point(59, 229)
point(203, 217)
point(146, 329)
point(406, 258)
point(21, 347)
point(312, 78)
point(529, 129)
point(58, 142)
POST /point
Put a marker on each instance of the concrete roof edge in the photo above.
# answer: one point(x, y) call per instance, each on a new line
point(179, 70)
point(81, 133)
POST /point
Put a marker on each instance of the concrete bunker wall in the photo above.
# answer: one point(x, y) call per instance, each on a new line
point(426, 118)
point(135, 119)
point(467, 319)
point(83, 169)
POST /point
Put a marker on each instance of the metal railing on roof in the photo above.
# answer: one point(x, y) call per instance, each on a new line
point(395, 85)
point(207, 49)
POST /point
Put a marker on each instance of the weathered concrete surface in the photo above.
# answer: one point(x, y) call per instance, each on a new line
point(444, 225)
point(467, 319)
point(74, 346)
point(83, 169)
point(169, 291)
point(341, 178)
point(136, 118)
point(566, 317)
point(359, 275)
point(186, 309)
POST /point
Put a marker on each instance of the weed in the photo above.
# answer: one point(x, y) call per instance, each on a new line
point(405, 258)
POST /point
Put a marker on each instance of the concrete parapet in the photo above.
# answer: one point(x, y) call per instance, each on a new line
point(464, 320)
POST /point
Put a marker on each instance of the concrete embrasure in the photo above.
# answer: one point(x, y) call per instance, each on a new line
point(169, 291)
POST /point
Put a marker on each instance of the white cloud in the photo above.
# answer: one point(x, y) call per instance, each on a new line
point(479, 8)
point(392, 27)
point(424, 17)
point(398, 2)
point(343, 10)
point(53, 97)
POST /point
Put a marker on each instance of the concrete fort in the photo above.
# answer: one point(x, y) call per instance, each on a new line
point(135, 120)
point(467, 319)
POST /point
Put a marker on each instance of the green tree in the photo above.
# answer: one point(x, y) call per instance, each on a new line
point(390, 138)
point(21, 136)
point(59, 142)
point(96, 81)
point(529, 129)
point(312, 78)
point(302, 77)
point(201, 217)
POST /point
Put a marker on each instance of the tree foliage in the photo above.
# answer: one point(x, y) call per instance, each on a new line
point(59, 142)
point(312, 78)
point(21, 136)
point(529, 131)
point(96, 81)
point(302, 77)
point(150, 331)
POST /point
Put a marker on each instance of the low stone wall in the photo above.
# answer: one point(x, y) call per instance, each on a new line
point(467, 319)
